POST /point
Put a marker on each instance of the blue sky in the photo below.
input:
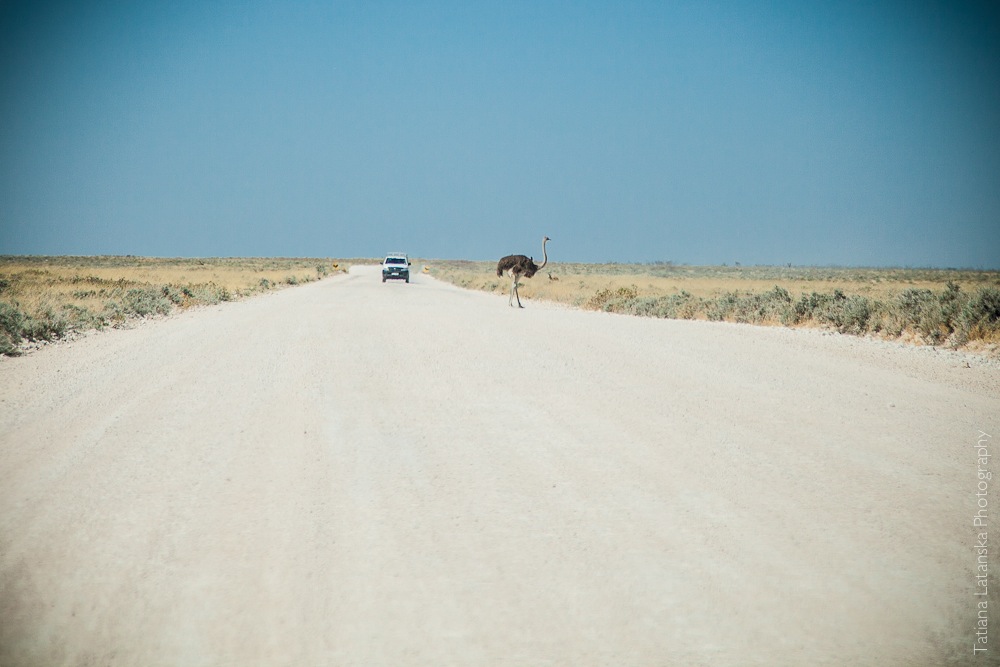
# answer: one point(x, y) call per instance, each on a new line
point(851, 133)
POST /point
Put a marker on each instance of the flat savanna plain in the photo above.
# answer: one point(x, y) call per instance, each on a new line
point(950, 307)
point(358, 473)
point(47, 298)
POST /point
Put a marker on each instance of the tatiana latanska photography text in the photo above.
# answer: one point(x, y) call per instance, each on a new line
point(980, 520)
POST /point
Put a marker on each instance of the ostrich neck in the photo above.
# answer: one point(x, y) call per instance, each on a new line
point(545, 256)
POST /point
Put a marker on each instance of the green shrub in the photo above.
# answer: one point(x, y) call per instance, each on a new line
point(809, 305)
point(17, 325)
point(723, 307)
point(674, 306)
point(613, 301)
point(855, 315)
point(919, 310)
point(11, 320)
point(11, 327)
point(81, 317)
point(768, 307)
point(173, 295)
point(950, 316)
point(113, 311)
point(7, 345)
point(207, 294)
point(952, 300)
point(46, 324)
point(646, 306)
point(144, 301)
point(979, 316)
point(847, 314)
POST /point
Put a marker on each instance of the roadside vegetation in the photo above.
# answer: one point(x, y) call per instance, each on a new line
point(47, 298)
point(954, 308)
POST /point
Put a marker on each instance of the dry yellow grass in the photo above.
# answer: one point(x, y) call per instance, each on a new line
point(575, 284)
point(87, 281)
point(230, 272)
point(954, 307)
point(44, 297)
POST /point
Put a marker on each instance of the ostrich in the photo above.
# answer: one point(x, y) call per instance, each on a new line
point(519, 266)
point(552, 277)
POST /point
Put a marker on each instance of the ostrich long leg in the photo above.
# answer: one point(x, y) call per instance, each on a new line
point(513, 290)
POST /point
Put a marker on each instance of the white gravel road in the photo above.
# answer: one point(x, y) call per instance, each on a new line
point(358, 473)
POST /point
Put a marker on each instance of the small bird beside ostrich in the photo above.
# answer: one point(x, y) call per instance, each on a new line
point(519, 266)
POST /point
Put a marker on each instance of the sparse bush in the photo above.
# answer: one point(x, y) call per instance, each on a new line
point(11, 323)
point(809, 305)
point(722, 307)
point(17, 325)
point(75, 297)
point(847, 314)
point(205, 294)
point(11, 318)
point(81, 317)
point(113, 312)
point(769, 307)
point(979, 316)
point(855, 314)
point(781, 307)
point(950, 316)
point(208, 294)
point(889, 302)
point(146, 301)
point(645, 306)
point(673, 306)
point(951, 301)
point(613, 300)
point(920, 310)
point(45, 324)
point(172, 294)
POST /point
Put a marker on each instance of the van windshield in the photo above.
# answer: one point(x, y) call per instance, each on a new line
point(395, 260)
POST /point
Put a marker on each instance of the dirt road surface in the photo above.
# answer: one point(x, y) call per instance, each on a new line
point(358, 473)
